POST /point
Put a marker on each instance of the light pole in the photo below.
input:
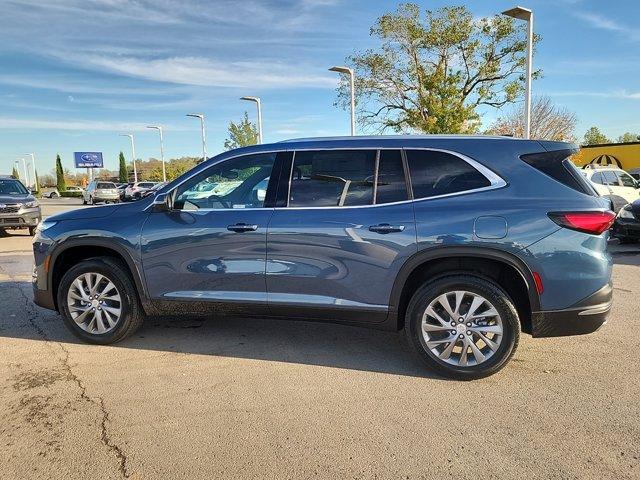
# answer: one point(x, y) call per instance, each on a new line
point(26, 172)
point(204, 142)
point(525, 14)
point(35, 176)
point(133, 155)
point(349, 71)
point(257, 101)
point(164, 170)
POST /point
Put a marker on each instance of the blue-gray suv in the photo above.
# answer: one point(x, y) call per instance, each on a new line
point(462, 242)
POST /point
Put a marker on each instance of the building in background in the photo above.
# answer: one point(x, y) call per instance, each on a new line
point(621, 155)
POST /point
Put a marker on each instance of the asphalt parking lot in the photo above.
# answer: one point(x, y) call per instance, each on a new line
point(271, 399)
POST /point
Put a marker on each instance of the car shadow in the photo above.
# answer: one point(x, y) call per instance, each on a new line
point(309, 343)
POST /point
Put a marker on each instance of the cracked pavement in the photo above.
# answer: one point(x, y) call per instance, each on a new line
point(272, 399)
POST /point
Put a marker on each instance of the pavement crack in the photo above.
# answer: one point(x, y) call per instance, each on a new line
point(99, 403)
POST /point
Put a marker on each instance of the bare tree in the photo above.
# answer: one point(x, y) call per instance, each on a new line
point(548, 122)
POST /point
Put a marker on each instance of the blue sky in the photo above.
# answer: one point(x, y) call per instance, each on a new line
point(75, 73)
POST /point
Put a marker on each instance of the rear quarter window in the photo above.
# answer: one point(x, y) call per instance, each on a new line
point(435, 173)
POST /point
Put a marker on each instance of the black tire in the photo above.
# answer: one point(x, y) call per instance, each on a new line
point(54, 195)
point(32, 231)
point(478, 285)
point(84, 202)
point(90, 200)
point(132, 315)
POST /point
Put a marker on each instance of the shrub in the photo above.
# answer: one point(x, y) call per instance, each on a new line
point(71, 194)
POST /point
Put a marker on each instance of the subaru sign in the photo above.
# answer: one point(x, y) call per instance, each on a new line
point(88, 159)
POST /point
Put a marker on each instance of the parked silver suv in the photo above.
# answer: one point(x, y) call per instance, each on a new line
point(99, 191)
point(18, 208)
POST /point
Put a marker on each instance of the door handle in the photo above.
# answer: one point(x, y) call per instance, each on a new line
point(386, 228)
point(242, 227)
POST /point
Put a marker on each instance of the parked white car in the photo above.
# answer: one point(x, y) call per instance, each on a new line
point(135, 190)
point(614, 183)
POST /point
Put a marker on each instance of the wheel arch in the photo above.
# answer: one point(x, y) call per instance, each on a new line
point(510, 272)
point(76, 250)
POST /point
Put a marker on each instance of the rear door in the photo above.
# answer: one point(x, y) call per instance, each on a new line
point(345, 227)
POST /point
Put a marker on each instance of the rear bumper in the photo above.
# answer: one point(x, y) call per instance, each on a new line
point(586, 316)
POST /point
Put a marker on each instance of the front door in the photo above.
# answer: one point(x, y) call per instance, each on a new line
point(210, 247)
point(335, 249)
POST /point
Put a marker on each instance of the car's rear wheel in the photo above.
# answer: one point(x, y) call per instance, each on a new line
point(32, 231)
point(462, 326)
point(98, 301)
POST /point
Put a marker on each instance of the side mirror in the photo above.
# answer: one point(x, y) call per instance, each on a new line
point(160, 203)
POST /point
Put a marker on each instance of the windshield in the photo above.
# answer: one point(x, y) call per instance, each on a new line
point(12, 187)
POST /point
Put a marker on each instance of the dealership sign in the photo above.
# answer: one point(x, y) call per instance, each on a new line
point(88, 159)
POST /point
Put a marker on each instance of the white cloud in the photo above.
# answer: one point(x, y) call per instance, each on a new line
point(7, 123)
point(605, 23)
point(211, 73)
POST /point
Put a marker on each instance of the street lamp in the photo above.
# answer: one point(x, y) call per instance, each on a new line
point(521, 13)
point(257, 101)
point(164, 170)
point(26, 172)
point(349, 71)
point(204, 143)
point(133, 155)
point(35, 176)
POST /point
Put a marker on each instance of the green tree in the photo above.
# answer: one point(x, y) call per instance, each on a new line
point(241, 134)
point(434, 69)
point(123, 174)
point(60, 181)
point(595, 137)
point(628, 137)
point(14, 172)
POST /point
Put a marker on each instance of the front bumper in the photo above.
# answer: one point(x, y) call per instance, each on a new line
point(586, 316)
point(21, 219)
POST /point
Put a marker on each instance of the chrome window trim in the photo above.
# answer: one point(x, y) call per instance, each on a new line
point(495, 180)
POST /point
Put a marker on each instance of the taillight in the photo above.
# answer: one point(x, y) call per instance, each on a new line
point(588, 222)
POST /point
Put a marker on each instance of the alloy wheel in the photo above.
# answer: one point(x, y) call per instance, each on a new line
point(94, 303)
point(462, 328)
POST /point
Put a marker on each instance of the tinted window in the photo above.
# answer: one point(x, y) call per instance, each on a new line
point(391, 185)
point(626, 180)
point(12, 187)
point(332, 178)
point(597, 178)
point(146, 184)
point(610, 178)
point(105, 185)
point(234, 183)
point(440, 173)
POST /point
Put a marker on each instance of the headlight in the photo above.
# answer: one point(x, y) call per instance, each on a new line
point(33, 204)
point(625, 213)
point(45, 225)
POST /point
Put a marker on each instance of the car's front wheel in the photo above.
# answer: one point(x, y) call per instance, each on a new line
point(462, 326)
point(98, 302)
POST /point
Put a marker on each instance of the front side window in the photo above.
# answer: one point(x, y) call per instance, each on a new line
point(332, 178)
point(626, 180)
point(597, 178)
point(436, 173)
point(235, 183)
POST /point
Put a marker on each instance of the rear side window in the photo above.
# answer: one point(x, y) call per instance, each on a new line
point(559, 166)
point(436, 173)
point(391, 185)
point(597, 178)
point(332, 178)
